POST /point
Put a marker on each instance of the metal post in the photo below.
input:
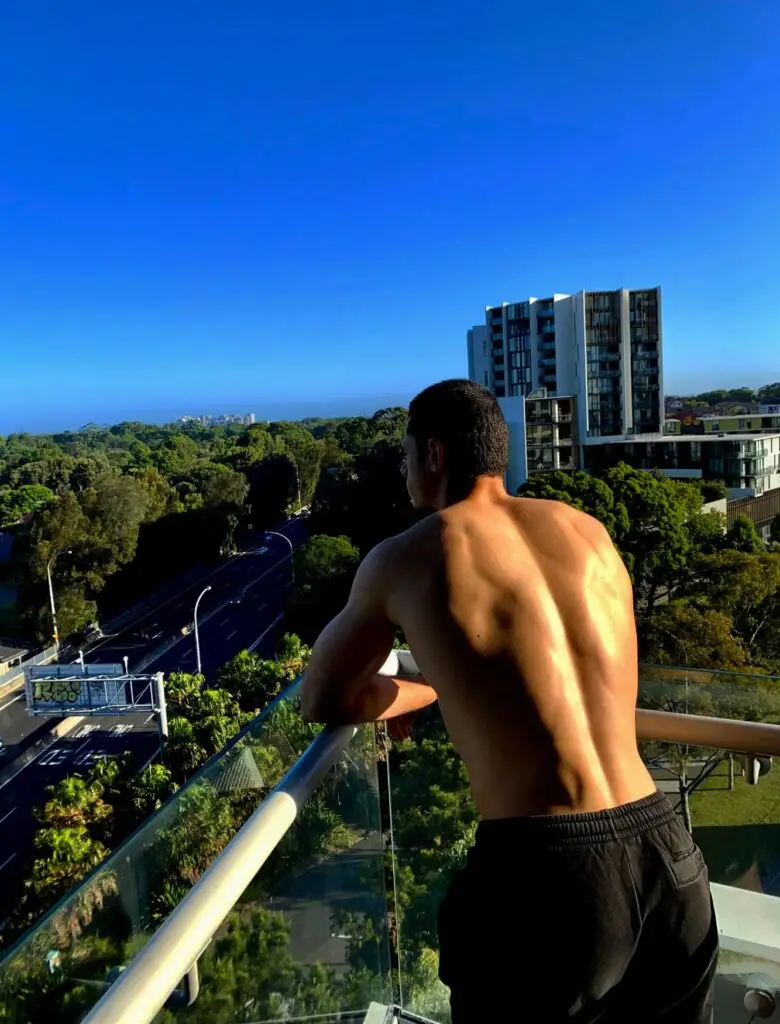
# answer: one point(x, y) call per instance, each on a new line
point(51, 599)
point(273, 533)
point(53, 610)
point(197, 639)
point(162, 713)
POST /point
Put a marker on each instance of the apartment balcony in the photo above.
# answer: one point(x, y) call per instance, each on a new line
point(545, 327)
point(548, 361)
point(288, 914)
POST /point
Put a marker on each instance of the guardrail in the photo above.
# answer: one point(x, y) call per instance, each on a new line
point(173, 951)
point(6, 678)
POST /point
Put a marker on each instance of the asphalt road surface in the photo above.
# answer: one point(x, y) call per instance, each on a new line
point(240, 611)
point(92, 739)
point(265, 578)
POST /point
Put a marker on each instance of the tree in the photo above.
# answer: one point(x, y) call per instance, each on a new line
point(747, 589)
point(656, 546)
point(743, 536)
point(67, 854)
point(15, 504)
point(161, 497)
point(74, 802)
point(224, 488)
point(713, 490)
point(324, 570)
point(255, 681)
point(366, 500)
point(680, 633)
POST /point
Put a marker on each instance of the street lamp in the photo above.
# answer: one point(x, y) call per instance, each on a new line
point(273, 533)
point(197, 640)
point(51, 599)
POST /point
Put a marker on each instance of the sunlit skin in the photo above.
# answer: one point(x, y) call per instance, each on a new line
point(519, 613)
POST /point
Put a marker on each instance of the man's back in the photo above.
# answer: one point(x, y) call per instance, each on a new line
point(519, 613)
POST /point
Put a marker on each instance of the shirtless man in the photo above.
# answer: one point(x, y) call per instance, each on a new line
point(583, 898)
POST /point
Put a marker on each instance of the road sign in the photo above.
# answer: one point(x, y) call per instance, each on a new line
point(69, 671)
point(73, 693)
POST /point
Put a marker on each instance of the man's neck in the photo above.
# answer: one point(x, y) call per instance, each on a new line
point(484, 489)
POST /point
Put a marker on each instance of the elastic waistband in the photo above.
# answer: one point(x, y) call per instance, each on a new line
point(623, 822)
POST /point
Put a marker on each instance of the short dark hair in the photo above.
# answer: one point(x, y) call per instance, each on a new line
point(468, 421)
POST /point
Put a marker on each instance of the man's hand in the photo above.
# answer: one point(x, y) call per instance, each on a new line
point(400, 727)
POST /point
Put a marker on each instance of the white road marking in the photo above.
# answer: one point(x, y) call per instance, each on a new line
point(85, 730)
point(52, 757)
point(231, 635)
point(260, 638)
point(7, 815)
point(8, 861)
point(225, 621)
point(13, 701)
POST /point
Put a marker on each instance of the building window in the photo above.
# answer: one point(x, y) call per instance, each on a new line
point(484, 347)
point(486, 379)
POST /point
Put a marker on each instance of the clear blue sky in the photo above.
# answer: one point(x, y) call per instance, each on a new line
point(239, 205)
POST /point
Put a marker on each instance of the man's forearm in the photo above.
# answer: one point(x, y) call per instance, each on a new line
point(379, 697)
point(390, 696)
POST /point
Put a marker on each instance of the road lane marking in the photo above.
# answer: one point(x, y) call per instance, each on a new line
point(205, 620)
point(13, 701)
point(8, 815)
point(8, 861)
point(225, 621)
point(231, 635)
point(257, 642)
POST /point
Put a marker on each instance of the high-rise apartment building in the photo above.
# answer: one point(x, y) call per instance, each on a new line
point(604, 348)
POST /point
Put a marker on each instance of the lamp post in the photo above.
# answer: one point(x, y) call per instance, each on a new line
point(197, 639)
point(273, 533)
point(51, 599)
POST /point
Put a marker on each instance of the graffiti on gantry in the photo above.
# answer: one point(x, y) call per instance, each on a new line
point(57, 691)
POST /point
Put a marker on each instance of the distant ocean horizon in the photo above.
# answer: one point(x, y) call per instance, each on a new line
point(47, 422)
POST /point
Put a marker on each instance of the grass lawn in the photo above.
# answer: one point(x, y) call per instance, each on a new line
point(714, 804)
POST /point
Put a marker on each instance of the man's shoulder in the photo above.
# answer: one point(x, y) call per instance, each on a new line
point(403, 551)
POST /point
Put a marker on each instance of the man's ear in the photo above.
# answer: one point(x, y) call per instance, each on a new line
point(435, 454)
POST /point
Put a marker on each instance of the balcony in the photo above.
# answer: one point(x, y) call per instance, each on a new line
point(546, 327)
point(548, 361)
point(288, 914)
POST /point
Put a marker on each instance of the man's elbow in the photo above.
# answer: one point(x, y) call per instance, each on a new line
point(320, 708)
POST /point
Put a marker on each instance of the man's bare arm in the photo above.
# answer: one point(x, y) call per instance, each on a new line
point(341, 684)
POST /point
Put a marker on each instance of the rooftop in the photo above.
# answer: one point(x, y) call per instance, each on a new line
point(10, 649)
point(676, 438)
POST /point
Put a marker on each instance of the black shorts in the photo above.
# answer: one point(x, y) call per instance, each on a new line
point(603, 916)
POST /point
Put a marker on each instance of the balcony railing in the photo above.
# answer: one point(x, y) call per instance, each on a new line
point(304, 806)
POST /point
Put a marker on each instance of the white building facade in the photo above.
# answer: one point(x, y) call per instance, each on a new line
point(603, 349)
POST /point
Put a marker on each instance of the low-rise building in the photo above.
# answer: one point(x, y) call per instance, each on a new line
point(747, 464)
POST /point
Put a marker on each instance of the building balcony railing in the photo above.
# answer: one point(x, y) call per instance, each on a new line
point(545, 327)
point(548, 361)
point(271, 863)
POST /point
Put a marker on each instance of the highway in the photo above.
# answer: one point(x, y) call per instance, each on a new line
point(241, 610)
point(93, 738)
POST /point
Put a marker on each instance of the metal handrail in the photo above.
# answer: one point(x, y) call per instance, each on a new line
point(143, 988)
point(703, 731)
